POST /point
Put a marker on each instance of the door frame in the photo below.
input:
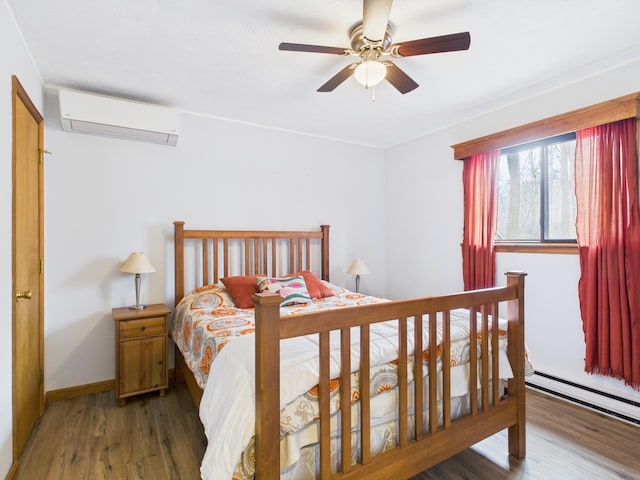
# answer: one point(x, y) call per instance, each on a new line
point(20, 94)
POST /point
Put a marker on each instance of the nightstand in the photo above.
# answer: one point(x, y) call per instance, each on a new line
point(141, 350)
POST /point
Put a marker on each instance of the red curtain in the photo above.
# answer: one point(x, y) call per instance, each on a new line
point(480, 218)
point(608, 232)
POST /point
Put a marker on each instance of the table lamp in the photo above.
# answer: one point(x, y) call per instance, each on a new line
point(358, 268)
point(137, 263)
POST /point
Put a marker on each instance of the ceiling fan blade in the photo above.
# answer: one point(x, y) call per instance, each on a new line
point(396, 77)
point(444, 43)
point(301, 47)
point(375, 17)
point(338, 78)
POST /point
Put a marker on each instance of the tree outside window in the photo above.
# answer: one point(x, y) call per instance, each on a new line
point(536, 197)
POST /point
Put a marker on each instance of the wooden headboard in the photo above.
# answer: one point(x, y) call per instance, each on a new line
point(221, 253)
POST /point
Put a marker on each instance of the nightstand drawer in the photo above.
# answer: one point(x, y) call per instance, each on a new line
point(142, 327)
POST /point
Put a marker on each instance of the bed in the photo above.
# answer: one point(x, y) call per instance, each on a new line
point(324, 357)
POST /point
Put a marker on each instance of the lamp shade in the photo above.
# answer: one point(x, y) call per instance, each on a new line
point(137, 263)
point(358, 267)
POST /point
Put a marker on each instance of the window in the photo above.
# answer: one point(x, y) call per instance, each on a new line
point(536, 197)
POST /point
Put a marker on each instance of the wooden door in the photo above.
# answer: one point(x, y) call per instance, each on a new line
point(27, 261)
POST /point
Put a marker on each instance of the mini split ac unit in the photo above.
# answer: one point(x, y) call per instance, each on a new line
point(119, 118)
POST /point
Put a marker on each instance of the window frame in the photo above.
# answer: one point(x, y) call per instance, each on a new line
point(544, 190)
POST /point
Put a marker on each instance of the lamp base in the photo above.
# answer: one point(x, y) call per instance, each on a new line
point(137, 307)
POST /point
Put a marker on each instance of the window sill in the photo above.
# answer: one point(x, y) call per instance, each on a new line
point(553, 248)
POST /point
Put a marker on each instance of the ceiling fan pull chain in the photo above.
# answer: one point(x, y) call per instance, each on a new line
point(373, 94)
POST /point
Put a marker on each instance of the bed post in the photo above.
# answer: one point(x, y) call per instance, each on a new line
point(516, 353)
point(267, 322)
point(325, 252)
point(178, 245)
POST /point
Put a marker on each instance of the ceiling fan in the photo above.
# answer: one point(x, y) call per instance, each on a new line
point(371, 40)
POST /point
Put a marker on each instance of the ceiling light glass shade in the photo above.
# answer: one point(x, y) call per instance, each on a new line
point(370, 73)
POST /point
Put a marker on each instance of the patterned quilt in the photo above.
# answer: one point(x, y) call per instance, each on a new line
point(207, 319)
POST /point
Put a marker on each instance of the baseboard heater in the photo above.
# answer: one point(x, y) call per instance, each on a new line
point(609, 404)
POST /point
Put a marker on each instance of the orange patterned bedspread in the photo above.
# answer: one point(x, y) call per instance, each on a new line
point(207, 319)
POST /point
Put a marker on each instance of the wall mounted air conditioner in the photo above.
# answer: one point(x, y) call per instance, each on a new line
point(114, 117)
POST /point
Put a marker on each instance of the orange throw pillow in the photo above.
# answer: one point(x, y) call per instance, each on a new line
point(241, 289)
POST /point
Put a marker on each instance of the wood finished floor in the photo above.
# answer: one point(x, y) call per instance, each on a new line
point(160, 438)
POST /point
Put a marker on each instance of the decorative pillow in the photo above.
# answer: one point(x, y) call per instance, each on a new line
point(292, 289)
point(315, 286)
point(241, 289)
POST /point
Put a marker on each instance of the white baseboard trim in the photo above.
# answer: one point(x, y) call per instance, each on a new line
point(617, 407)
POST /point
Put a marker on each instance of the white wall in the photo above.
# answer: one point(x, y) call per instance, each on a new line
point(424, 222)
point(15, 60)
point(106, 198)
point(424, 218)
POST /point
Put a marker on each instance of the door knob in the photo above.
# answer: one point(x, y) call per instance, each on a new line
point(23, 294)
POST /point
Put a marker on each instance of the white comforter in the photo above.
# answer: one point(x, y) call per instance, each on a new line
point(227, 409)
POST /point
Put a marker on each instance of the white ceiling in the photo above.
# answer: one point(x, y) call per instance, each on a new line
point(221, 57)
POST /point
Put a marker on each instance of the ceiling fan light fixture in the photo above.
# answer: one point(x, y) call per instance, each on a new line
point(371, 40)
point(369, 73)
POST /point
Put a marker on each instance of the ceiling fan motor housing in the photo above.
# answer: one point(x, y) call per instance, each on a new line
point(359, 42)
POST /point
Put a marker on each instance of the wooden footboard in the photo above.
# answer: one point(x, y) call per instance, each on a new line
point(418, 449)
